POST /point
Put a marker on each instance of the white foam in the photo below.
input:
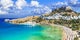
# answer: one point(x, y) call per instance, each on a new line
point(29, 23)
point(6, 20)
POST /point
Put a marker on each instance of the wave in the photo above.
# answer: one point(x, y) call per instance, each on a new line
point(29, 23)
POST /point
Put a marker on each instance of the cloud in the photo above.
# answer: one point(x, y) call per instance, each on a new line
point(48, 10)
point(73, 1)
point(41, 10)
point(6, 3)
point(3, 12)
point(35, 3)
point(20, 4)
point(61, 3)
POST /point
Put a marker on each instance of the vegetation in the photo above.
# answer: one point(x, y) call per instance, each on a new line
point(76, 38)
point(73, 24)
point(64, 11)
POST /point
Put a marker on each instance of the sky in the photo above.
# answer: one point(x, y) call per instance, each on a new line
point(22, 8)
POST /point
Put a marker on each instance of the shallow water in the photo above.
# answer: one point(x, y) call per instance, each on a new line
point(27, 32)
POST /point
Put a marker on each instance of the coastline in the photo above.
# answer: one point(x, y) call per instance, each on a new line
point(64, 36)
point(22, 20)
point(33, 19)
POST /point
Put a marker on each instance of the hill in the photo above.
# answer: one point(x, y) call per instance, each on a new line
point(64, 10)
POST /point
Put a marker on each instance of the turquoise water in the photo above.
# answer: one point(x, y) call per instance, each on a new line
point(18, 32)
point(28, 32)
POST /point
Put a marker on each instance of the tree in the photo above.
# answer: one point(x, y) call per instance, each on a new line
point(76, 38)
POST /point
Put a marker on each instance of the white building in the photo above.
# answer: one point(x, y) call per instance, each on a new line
point(59, 16)
point(55, 16)
point(66, 17)
point(75, 17)
point(79, 16)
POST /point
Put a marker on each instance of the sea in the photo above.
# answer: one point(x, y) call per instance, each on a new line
point(10, 31)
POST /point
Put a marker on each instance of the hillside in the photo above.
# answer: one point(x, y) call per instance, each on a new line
point(64, 16)
point(64, 10)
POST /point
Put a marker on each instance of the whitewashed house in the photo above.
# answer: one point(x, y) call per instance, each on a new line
point(55, 16)
point(75, 17)
point(79, 16)
point(66, 17)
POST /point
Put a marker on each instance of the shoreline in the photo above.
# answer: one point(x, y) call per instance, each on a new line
point(64, 36)
point(46, 22)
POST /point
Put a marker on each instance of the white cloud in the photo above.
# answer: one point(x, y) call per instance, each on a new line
point(35, 3)
point(73, 1)
point(5, 6)
point(3, 12)
point(43, 9)
point(48, 10)
point(6, 3)
point(40, 8)
point(21, 3)
point(61, 3)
